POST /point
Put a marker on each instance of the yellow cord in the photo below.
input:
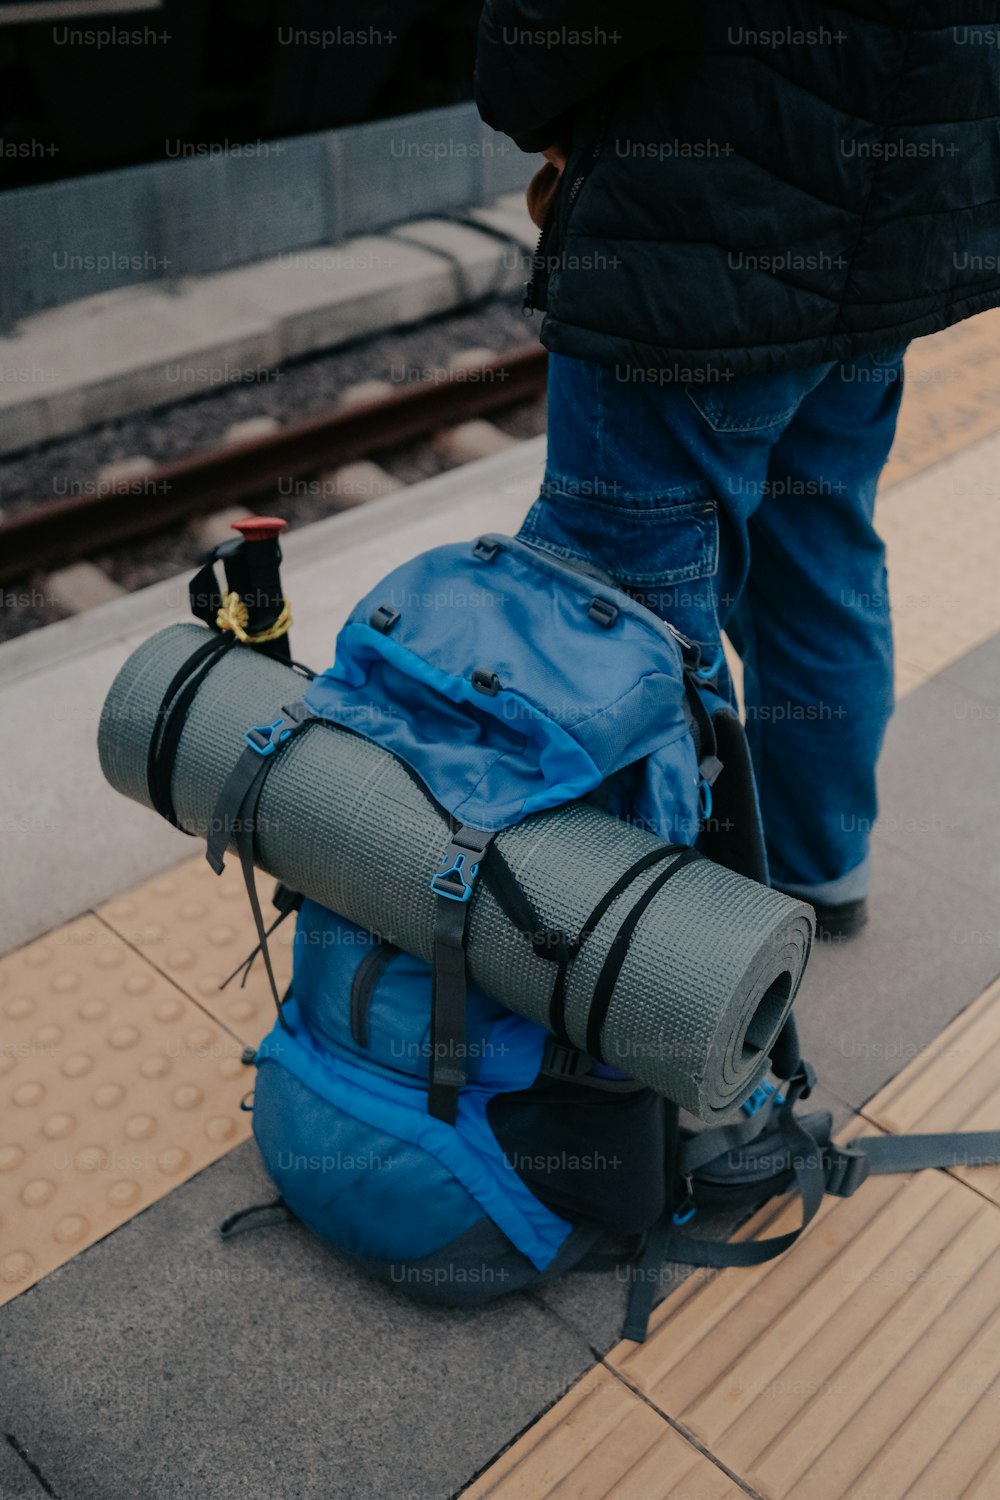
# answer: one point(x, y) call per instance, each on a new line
point(234, 615)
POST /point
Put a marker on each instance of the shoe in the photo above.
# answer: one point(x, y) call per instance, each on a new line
point(840, 921)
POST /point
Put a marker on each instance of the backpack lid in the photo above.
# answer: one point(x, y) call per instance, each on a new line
point(507, 680)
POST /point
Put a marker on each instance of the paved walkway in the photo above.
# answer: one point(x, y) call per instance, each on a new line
point(142, 1356)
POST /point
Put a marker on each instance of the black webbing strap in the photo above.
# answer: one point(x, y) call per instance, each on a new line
point(285, 902)
point(546, 942)
point(809, 1163)
point(646, 1270)
point(723, 1140)
point(607, 979)
point(786, 1055)
point(234, 818)
point(709, 764)
point(886, 1154)
point(557, 1004)
point(563, 1062)
point(277, 1210)
point(171, 716)
point(452, 885)
point(551, 942)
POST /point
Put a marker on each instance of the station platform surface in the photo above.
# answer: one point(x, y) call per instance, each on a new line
point(141, 1355)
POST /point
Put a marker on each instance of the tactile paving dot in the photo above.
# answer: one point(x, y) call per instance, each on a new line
point(196, 927)
point(113, 1089)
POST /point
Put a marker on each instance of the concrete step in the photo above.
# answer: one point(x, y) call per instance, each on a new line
point(149, 345)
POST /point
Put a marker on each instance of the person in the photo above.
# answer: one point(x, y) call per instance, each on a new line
point(747, 213)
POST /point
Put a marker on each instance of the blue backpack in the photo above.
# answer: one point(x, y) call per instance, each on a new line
point(450, 1146)
point(456, 1149)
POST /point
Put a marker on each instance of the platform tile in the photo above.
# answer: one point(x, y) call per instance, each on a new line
point(114, 1087)
point(196, 927)
point(602, 1442)
point(845, 1370)
point(951, 393)
point(953, 1085)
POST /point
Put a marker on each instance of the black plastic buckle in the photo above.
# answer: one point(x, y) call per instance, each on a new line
point(383, 619)
point(800, 1084)
point(560, 1061)
point(486, 549)
point(486, 682)
point(847, 1168)
point(285, 899)
point(603, 613)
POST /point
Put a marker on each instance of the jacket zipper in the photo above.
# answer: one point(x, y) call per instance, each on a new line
point(528, 305)
point(528, 302)
point(366, 977)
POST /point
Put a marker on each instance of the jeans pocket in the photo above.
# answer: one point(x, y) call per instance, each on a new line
point(755, 403)
point(663, 550)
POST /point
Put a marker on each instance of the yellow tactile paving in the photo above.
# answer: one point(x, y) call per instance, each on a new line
point(942, 544)
point(951, 394)
point(943, 529)
point(602, 1442)
point(196, 927)
point(114, 1088)
point(953, 1085)
point(842, 1371)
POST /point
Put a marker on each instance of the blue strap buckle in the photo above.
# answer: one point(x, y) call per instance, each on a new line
point(708, 671)
point(265, 738)
point(456, 879)
point(687, 1210)
point(761, 1094)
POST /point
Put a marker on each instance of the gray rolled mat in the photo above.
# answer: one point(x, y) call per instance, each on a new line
point(713, 965)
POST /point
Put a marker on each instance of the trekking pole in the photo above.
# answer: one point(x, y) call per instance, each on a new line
point(256, 578)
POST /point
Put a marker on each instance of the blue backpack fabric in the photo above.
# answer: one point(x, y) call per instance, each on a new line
point(509, 682)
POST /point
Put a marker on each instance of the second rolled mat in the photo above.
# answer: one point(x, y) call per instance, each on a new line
point(713, 964)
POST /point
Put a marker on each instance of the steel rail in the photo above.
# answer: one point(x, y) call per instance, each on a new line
point(56, 532)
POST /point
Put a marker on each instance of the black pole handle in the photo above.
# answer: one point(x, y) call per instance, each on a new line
point(263, 595)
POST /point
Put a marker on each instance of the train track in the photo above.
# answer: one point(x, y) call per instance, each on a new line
point(52, 534)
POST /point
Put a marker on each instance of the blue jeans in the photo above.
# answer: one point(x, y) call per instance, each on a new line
point(746, 506)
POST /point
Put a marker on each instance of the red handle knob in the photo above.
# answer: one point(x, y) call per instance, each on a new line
point(259, 528)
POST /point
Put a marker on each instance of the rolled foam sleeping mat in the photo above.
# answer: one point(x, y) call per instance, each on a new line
point(713, 964)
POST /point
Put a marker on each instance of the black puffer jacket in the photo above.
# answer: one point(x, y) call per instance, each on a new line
point(754, 184)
